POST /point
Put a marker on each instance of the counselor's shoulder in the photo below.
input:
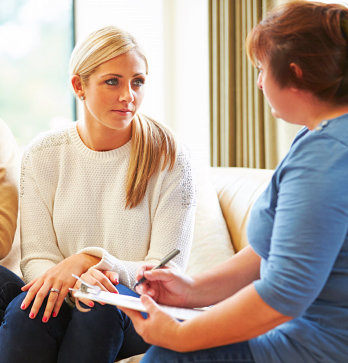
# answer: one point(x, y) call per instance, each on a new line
point(324, 147)
point(317, 162)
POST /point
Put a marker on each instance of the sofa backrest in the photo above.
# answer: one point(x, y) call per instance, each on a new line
point(224, 200)
point(237, 190)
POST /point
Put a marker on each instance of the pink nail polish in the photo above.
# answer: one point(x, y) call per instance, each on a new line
point(23, 306)
point(90, 304)
point(31, 316)
point(44, 319)
point(54, 314)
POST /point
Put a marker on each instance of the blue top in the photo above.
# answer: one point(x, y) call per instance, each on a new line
point(299, 227)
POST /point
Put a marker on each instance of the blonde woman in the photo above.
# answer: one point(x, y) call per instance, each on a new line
point(98, 199)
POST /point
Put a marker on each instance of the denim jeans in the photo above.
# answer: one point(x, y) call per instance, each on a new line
point(10, 287)
point(234, 353)
point(101, 335)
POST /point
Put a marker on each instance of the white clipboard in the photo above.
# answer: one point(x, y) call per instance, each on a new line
point(94, 293)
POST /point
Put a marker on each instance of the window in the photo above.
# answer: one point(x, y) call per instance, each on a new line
point(36, 39)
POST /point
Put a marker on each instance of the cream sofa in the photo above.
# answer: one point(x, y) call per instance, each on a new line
point(224, 200)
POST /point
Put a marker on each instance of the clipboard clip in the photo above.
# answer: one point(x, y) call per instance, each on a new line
point(86, 288)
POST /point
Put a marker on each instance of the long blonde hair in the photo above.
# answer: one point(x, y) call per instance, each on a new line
point(153, 145)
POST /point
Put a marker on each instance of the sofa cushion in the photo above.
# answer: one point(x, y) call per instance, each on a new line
point(211, 240)
point(238, 189)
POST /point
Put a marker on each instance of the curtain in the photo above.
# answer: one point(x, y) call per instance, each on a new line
point(243, 132)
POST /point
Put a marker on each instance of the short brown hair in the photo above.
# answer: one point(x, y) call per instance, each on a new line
point(311, 35)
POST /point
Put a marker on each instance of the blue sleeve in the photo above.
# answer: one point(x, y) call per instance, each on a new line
point(309, 225)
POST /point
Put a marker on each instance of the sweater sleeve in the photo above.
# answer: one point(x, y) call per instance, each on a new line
point(39, 245)
point(172, 224)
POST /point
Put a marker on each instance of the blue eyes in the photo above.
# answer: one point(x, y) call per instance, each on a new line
point(138, 82)
point(112, 82)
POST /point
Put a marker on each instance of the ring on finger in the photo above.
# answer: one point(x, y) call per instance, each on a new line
point(55, 290)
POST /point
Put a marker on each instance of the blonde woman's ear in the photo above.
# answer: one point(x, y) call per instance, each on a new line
point(77, 86)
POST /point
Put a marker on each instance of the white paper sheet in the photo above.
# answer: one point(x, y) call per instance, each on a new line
point(136, 304)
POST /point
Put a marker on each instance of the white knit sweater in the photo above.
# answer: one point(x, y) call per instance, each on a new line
point(73, 200)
